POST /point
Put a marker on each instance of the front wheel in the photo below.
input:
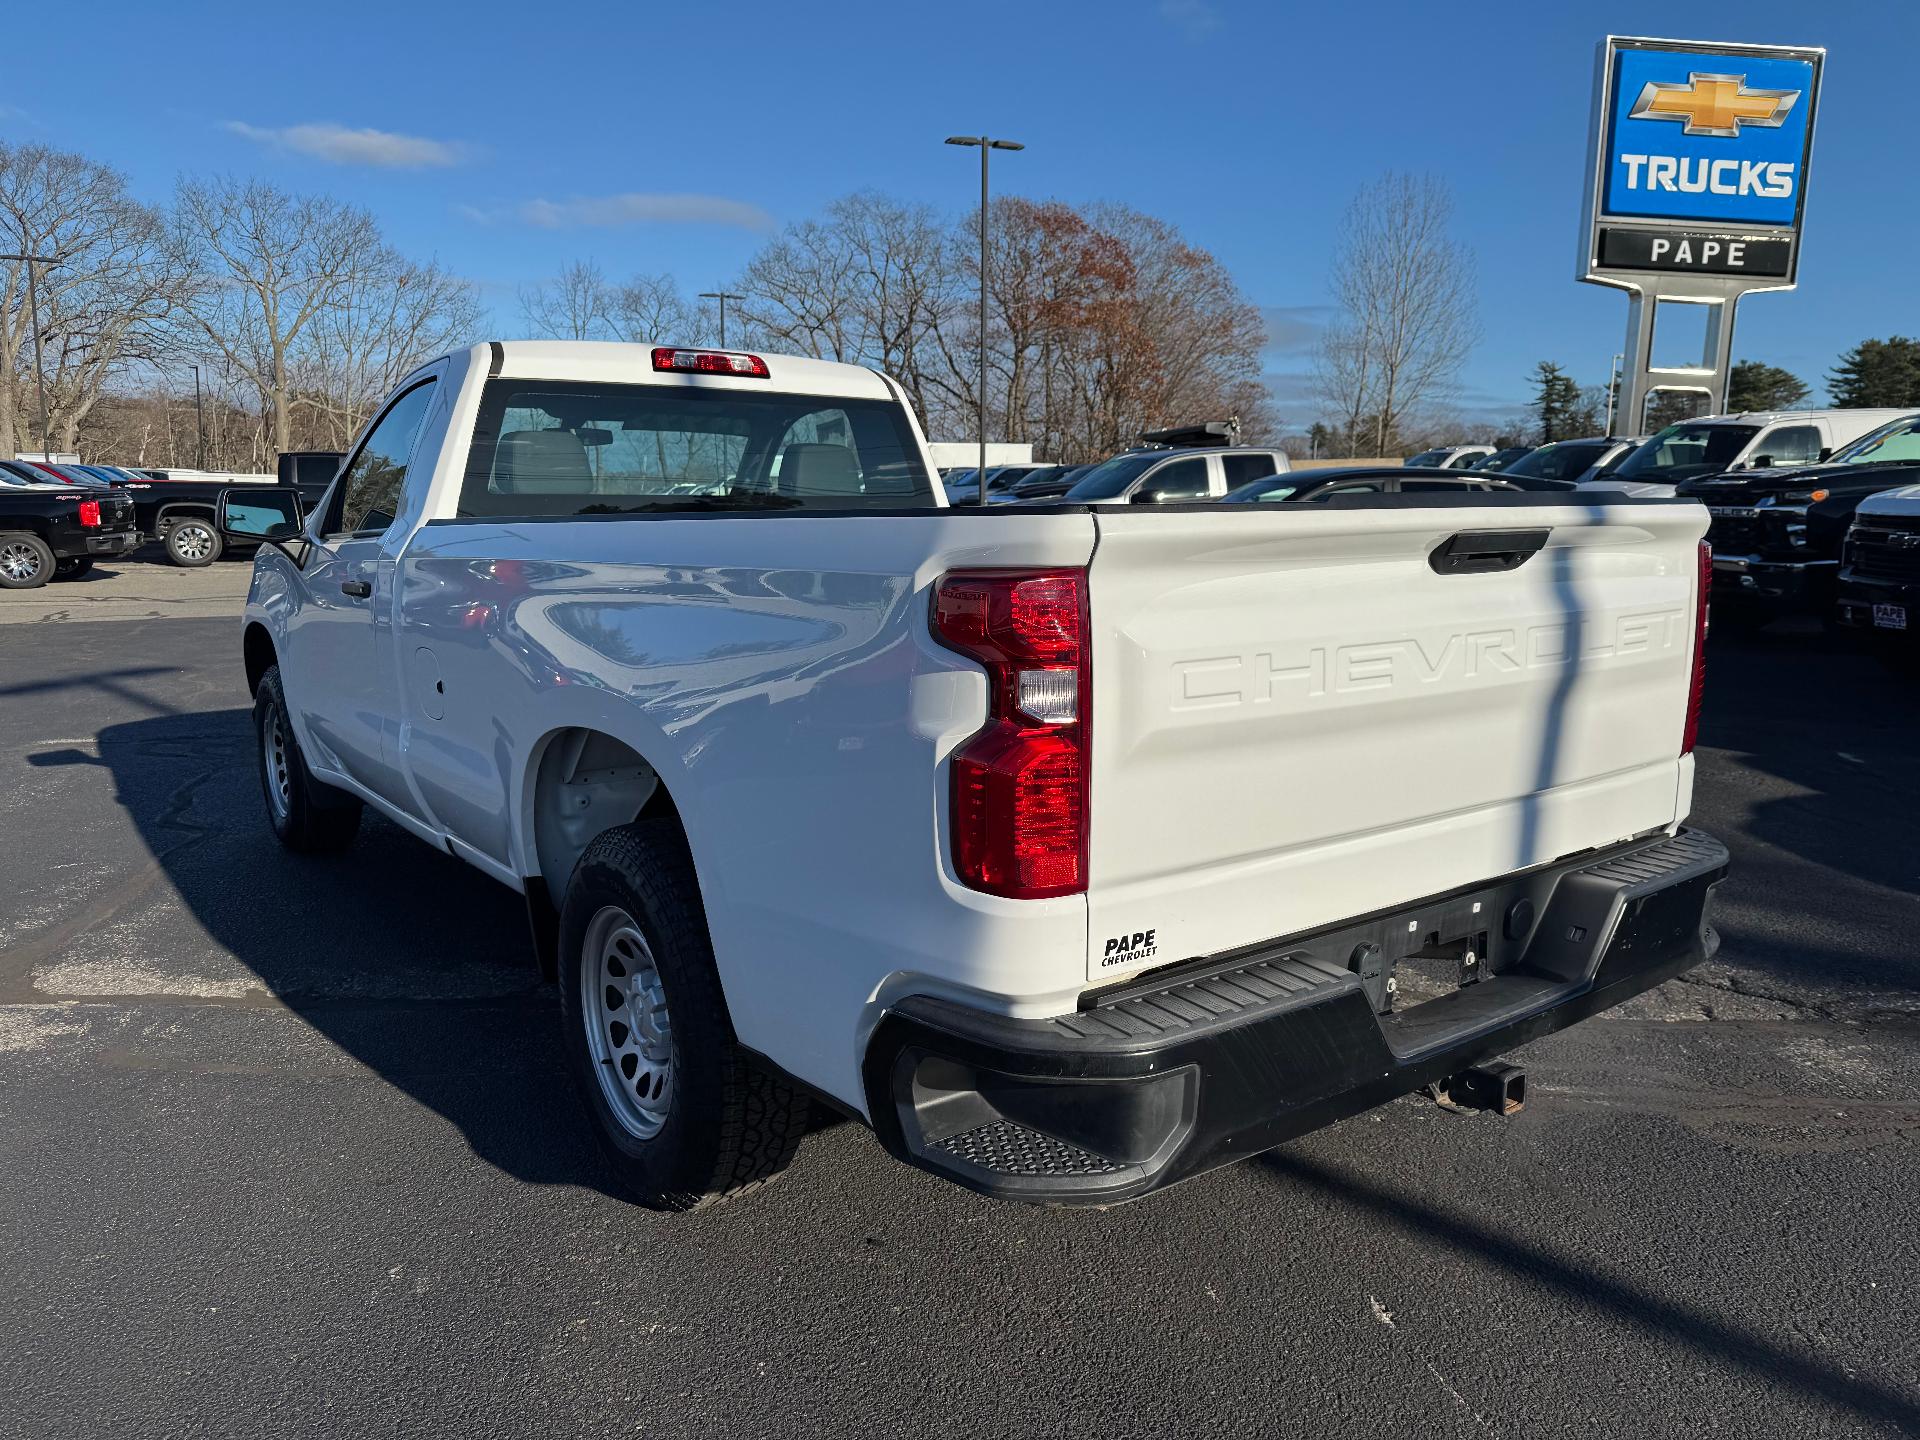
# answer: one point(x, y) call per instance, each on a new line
point(73, 567)
point(25, 562)
point(192, 542)
point(685, 1117)
point(305, 815)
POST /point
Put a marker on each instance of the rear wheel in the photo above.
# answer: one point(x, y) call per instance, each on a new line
point(25, 561)
point(684, 1115)
point(191, 541)
point(305, 815)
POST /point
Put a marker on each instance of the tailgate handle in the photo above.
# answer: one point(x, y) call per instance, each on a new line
point(1481, 552)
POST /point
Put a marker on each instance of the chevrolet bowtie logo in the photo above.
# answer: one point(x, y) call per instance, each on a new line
point(1713, 104)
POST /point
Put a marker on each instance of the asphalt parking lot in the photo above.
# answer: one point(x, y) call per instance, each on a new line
point(286, 1148)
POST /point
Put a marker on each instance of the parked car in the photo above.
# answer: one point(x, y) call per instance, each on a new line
point(18, 473)
point(1364, 480)
point(1047, 484)
point(48, 472)
point(1879, 582)
point(1450, 457)
point(1777, 533)
point(53, 532)
point(1566, 462)
point(1501, 459)
point(1001, 480)
point(1170, 476)
point(801, 806)
point(1698, 449)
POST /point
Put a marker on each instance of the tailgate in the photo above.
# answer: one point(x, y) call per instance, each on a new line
point(1297, 719)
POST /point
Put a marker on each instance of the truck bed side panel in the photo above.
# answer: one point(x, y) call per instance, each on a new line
point(779, 675)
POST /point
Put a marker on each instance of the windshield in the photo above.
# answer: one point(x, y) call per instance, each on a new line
point(1109, 479)
point(1889, 444)
point(1562, 460)
point(544, 447)
point(1683, 452)
point(1426, 457)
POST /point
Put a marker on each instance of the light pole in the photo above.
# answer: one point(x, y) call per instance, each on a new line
point(39, 364)
point(1613, 389)
point(986, 143)
point(199, 417)
point(722, 296)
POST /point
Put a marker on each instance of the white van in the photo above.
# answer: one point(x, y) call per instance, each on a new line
point(1716, 444)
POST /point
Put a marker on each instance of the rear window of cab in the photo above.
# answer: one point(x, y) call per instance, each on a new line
point(557, 448)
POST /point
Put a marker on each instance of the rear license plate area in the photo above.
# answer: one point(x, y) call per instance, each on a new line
point(1890, 617)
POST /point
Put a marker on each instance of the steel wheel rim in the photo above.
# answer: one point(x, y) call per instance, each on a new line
point(19, 562)
point(629, 1033)
point(192, 542)
point(276, 763)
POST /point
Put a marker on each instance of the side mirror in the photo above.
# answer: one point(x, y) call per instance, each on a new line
point(1760, 462)
point(1826, 453)
point(270, 514)
point(1149, 495)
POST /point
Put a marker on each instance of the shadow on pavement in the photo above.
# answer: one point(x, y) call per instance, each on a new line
point(406, 959)
point(1697, 1329)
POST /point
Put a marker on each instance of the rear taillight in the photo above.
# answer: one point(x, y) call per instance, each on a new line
point(1020, 785)
point(710, 362)
point(90, 514)
point(1696, 687)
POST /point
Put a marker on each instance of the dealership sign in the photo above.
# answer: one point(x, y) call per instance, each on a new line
point(1699, 161)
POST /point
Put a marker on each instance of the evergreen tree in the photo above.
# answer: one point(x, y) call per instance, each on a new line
point(1878, 372)
point(1754, 386)
point(1556, 402)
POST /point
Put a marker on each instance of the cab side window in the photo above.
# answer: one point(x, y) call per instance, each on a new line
point(1180, 479)
point(1245, 469)
point(370, 486)
point(1791, 445)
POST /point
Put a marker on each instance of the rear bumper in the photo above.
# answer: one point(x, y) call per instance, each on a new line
point(1152, 1083)
point(79, 543)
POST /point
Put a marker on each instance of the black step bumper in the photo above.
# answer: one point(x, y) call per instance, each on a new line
point(1194, 1067)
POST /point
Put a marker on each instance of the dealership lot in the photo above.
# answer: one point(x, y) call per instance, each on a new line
point(285, 1144)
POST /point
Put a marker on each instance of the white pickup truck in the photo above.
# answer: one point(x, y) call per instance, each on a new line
point(1074, 849)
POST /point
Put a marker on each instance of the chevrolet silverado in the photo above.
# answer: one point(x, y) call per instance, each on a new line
point(1075, 849)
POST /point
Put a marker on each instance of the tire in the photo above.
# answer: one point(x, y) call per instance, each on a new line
point(191, 541)
point(72, 568)
point(25, 561)
point(305, 815)
point(702, 1122)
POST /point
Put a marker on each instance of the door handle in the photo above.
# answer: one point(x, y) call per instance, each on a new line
point(359, 589)
point(1481, 552)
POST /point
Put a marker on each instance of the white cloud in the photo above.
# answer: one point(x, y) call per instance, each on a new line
point(1197, 19)
point(639, 209)
point(338, 145)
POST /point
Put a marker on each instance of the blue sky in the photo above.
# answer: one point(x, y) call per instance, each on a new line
point(674, 137)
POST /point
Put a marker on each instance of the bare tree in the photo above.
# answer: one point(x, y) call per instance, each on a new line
point(271, 265)
point(1406, 294)
point(651, 309)
point(390, 315)
point(102, 307)
point(575, 305)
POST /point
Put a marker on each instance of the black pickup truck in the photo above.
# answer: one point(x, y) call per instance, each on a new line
point(53, 534)
point(1776, 534)
point(178, 508)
